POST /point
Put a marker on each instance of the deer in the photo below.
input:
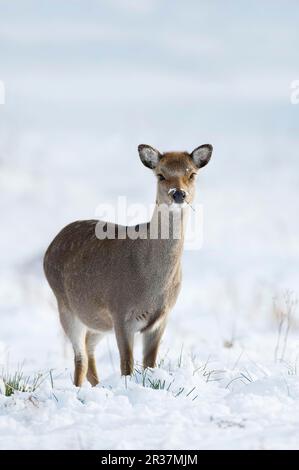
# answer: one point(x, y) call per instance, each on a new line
point(124, 284)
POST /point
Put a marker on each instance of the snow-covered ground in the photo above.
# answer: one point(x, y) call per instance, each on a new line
point(84, 86)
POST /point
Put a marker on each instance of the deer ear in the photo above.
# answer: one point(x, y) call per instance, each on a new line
point(149, 156)
point(201, 155)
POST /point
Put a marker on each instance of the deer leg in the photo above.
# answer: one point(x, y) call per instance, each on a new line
point(81, 362)
point(76, 332)
point(92, 340)
point(151, 342)
point(125, 343)
point(80, 368)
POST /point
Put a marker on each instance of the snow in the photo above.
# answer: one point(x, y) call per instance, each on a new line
point(78, 102)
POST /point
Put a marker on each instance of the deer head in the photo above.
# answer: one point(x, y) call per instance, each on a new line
point(176, 172)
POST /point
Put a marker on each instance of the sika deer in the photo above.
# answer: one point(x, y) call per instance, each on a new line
point(121, 283)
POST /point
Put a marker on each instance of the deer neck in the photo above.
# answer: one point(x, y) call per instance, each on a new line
point(168, 228)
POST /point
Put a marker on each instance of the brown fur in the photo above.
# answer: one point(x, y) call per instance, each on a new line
point(122, 284)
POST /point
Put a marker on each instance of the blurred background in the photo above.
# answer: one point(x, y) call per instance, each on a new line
point(86, 82)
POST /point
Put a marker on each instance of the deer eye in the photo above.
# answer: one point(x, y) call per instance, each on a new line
point(161, 177)
point(192, 176)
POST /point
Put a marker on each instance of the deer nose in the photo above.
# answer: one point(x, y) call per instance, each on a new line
point(179, 196)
